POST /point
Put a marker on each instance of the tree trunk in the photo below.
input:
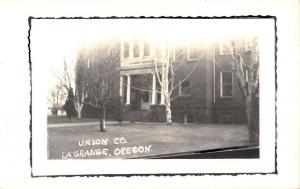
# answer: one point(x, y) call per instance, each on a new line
point(251, 123)
point(168, 111)
point(165, 81)
point(79, 109)
point(102, 117)
point(79, 113)
point(54, 111)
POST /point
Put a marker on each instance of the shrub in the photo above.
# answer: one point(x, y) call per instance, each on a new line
point(69, 106)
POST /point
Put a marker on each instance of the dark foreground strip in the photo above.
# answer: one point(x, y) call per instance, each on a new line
point(237, 152)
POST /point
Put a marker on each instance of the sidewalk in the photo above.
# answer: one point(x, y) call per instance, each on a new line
point(56, 125)
point(95, 123)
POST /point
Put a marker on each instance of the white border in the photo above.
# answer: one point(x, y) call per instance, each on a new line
point(265, 164)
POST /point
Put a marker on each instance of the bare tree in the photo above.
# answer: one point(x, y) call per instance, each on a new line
point(56, 98)
point(166, 71)
point(246, 67)
point(72, 79)
point(101, 76)
point(80, 83)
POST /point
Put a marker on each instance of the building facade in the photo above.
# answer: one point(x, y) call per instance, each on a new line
point(205, 88)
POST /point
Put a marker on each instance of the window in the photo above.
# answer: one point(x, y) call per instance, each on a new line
point(126, 50)
point(146, 49)
point(179, 54)
point(226, 84)
point(194, 53)
point(249, 44)
point(225, 47)
point(184, 88)
point(160, 50)
point(136, 48)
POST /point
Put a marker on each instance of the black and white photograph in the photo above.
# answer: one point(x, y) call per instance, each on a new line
point(151, 88)
point(145, 93)
point(149, 94)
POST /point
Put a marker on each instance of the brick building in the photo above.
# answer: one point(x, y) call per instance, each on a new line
point(206, 89)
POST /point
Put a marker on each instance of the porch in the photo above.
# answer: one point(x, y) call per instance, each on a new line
point(140, 91)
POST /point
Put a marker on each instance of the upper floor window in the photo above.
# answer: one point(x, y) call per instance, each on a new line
point(180, 54)
point(225, 47)
point(126, 49)
point(136, 48)
point(184, 88)
point(251, 44)
point(226, 88)
point(194, 53)
point(146, 48)
point(160, 50)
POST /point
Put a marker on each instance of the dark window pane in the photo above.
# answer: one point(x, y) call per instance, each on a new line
point(146, 49)
point(158, 51)
point(126, 50)
point(194, 53)
point(225, 47)
point(136, 48)
point(185, 84)
point(179, 54)
point(185, 87)
point(227, 90)
point(227, 77)
point(227, 84)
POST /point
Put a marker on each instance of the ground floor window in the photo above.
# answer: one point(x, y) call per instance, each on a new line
point(184, 88)
point(226, 83)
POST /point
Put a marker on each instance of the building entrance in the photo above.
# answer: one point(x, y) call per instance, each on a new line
point(140, 92)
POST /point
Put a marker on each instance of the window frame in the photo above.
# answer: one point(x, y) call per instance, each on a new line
point(124, 49)
point(248, 45)
point(183, 56)
point(159, 50)
point(149, 48)
point(189, 54)
point(180, 91)
point(221, 48)
point(134, 43)
point(221, 85)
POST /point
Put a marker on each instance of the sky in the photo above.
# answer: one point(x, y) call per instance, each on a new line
point(54, 41)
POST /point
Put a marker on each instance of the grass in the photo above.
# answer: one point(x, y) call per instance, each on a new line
point(164, 139)
point(64, 119)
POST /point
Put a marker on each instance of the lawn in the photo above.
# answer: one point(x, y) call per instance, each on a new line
point(131, 140)
point(63, 119)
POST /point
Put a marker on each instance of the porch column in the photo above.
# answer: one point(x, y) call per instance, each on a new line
point(153, 99)
point(121, 86)
point(128, 90)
